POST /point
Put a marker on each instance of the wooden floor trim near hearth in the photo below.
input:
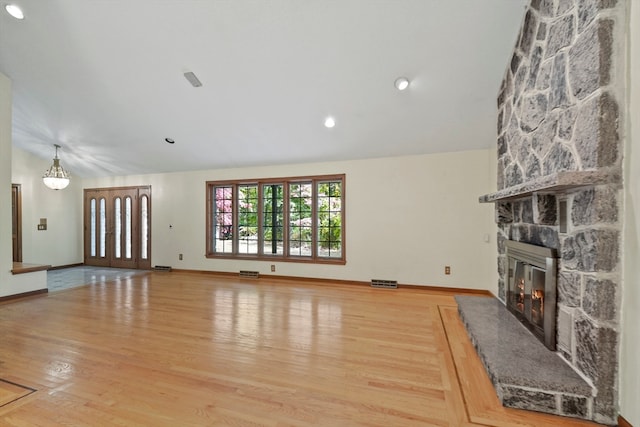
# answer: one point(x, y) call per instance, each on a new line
point(481, 402)
point(622, 422)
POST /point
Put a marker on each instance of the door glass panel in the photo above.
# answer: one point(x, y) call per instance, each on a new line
point(518, 292)
point(537, 296)
point(103, 228)
point(118, 231)
point(127, 227)
point(92, 220)
point(144, 227)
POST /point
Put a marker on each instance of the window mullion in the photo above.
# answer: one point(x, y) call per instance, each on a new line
point(274, 220)
point(285, 214)
point(234, 238)
point(314, 219)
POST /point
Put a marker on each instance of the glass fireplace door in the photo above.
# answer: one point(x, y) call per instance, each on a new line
point(526, 293)
point(537, 297)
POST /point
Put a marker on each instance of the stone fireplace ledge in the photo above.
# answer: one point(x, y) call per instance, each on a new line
point(525, 373)
point(559, 182)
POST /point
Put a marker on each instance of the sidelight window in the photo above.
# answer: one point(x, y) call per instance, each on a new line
point(144, 227)
point(103, 228)
point(118, 224)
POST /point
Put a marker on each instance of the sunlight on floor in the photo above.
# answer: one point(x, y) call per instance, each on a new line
point(73, 277)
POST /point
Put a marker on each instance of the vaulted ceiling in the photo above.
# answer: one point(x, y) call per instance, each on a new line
point(104, 79)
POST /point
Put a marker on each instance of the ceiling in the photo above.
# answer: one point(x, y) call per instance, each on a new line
point(104, 79)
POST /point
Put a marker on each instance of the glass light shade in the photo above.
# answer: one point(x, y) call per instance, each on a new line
point(56, 177)
point(56, 183)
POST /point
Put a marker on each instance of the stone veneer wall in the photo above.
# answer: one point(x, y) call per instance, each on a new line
point(559, 109)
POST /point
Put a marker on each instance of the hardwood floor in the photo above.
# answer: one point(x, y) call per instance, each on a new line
point(184, 349)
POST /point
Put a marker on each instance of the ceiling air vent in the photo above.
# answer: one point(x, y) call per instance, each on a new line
point(387, 284)
point(249, 274)
point(191, 77)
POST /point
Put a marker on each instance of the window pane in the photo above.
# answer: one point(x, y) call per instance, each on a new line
point(92, 214)
point(223, 219)
point(273, 219)
point(118, 243)
point(144, 227)
point(329, 199)
point(248, 219)
point(127, 228)
point(300, 219)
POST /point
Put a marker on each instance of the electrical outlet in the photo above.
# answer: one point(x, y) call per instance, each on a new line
point(447, 269)
point(273, 267)
point(180, 257)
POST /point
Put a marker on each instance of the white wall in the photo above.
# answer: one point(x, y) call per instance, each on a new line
point(406, 218)
point(492, 258)
point(10, 284)
point(61, 243)
point(630, 336)
point(6, 256)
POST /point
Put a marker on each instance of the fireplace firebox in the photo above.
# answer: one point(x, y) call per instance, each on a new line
point(531, 289)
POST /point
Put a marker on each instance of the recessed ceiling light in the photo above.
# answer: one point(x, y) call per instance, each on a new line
point(329, 122)
point(14, 11)
point(169, 140)
point(401, 83)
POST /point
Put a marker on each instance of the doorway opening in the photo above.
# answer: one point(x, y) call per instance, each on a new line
point(16, 221)
point(117, 227)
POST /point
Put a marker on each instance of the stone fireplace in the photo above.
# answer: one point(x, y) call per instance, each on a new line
point(560, 111)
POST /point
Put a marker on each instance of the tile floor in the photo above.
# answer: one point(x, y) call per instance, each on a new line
point(72, 277)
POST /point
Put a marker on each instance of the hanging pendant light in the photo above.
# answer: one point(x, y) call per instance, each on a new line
point(56, 178)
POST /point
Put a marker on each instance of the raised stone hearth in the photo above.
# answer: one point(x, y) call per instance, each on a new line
point(524, 372)
point(559, 148)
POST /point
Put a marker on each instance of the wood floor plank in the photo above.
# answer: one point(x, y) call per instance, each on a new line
point(167, 349)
